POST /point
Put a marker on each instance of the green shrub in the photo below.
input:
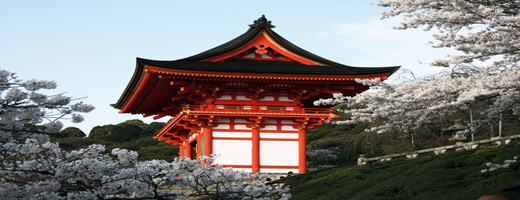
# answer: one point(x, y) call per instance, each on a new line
point(455, 175)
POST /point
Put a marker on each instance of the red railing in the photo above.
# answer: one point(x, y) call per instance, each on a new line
point(257, 109)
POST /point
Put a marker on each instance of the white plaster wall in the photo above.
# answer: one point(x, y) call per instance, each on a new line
point(225, 120)
point(221, 126)
point(287, 121)
point(232, 152)
point(270, 121)
point(225, 97)
point(279, 135)
point(284, 98)
point(267, 98)
point(242, 97)
point(240, 120)
point(232, 134)
point(279, 153)
point(241, 127)
point(288, 128)
point(269, 127)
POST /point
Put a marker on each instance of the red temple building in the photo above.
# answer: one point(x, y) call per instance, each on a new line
point(248, 102)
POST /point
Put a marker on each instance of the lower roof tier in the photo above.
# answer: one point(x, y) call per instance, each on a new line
point(156, 86)
point(190, 120)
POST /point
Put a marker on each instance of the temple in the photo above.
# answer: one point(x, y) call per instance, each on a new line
point(247, 102)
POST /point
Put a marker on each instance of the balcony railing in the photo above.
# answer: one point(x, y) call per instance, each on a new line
point(257, 109)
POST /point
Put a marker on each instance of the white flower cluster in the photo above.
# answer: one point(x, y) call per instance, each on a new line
point(487, 33)
point(38, 169)
point(493, 167)
point(35, 170)
point(410, 105)
point(368, 82)
point(337, 98)
point(33, 85)
point(480, 30)
point(24, 108)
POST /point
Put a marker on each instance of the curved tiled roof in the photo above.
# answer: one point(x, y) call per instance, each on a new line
point(200, 63)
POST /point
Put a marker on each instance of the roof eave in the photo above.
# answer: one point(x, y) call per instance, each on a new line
point(130, 87)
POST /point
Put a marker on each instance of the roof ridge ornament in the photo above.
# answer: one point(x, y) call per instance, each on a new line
point(262, 21)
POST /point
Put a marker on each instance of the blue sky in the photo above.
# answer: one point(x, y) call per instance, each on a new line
point(89, 47)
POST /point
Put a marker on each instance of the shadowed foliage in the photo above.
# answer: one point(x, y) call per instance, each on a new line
point(455, 175)
point(132, 134)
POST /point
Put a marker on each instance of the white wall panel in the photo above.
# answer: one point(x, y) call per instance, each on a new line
point(267, 98)
point(226, 120)
point(240, 120)
point(279, 153)
point(242, 97)
point(286, 121)
point(284, 98)
point(270, 121)
point(222, 126)
point(288, 128)
point(241, 127)
point(269, 127)
point(225, 97)
point(279, 135)
point(232, 134)
point(232, 152)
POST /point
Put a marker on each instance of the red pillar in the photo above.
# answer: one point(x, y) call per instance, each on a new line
point(302, 151)
point(208, 141)
point(187, 148)
point(181, 151)
point(199, 146)
point(255, 162)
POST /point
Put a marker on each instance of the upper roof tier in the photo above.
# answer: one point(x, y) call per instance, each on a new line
point(259, 53)
point(267, 67)
point(261, 50)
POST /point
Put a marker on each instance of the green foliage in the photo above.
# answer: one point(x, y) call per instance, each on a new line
point(72, 143)
point(349, 141)
point(452, 176)
point(132, 134)
point(70, 132)
point(160, 151)
point(116, 133)
point(458, 174)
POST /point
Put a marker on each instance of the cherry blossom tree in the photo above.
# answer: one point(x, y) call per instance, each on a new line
point(39, 169)
point(26, 108)
point(35, 170)
point(410, 105)
point(486, 33)
point(482, 30)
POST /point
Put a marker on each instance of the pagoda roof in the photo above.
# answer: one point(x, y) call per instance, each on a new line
point(260, 41)
point(208, 60)
point(261, 25)
point(267, 67)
